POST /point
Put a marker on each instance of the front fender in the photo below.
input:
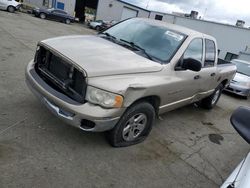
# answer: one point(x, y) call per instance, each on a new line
point(131, 87)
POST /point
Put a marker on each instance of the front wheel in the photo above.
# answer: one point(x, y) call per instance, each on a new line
point(210, 101)
point(11, 9)
point(134, 126)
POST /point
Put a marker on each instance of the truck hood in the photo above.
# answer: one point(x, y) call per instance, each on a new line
point(100, 57)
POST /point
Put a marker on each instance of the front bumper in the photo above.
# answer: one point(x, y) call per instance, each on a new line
point(73, 113)
point(18, 6)
point(236, 89)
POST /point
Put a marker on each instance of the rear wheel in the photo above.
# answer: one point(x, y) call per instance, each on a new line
point(67, 21)
point(134, 126)
point(11, 9)
point(210, 101)
point(42, 16)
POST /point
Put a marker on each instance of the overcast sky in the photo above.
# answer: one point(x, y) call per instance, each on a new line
point(226, 11)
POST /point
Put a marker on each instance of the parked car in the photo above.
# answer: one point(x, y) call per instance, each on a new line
point(9, 5)
point(97, 25)
point(108, 24)
point(53, 14)
point(240, 84)
point(240, 177)
point(121, 79)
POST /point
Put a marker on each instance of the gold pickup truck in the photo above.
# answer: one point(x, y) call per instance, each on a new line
point(121, 79)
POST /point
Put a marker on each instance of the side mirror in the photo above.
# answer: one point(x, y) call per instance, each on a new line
point(191, 64)
point(240, 120)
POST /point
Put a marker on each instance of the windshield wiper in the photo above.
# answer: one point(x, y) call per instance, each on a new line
point(109, 35)
point(137, 47)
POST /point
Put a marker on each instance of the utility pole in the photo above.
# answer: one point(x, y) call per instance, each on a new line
point(204, 13)
point(147, 4)
point(147, 9)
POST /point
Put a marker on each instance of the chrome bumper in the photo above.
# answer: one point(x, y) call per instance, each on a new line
point(73, 114)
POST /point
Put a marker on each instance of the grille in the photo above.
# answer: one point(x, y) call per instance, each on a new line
point(60, 75)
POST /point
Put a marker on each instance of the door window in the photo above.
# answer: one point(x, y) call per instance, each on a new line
point(59, 12)
point(210, 53)
point(194, 50)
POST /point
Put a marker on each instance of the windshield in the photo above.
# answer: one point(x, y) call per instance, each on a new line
point(158, 42)
point(243, 68)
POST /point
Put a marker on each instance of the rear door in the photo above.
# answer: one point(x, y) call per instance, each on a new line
point(58, 15)
point(208, 77)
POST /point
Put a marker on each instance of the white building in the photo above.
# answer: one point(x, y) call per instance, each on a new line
point(118, 10)
point(232, 40)
point(245, 55)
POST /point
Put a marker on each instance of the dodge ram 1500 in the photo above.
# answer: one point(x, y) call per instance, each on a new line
point(121, 79)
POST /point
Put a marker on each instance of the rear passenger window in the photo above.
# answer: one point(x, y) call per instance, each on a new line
point(194, 50)
point(209, 53)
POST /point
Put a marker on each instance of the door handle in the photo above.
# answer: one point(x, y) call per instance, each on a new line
point(197, 77)
point(213, 74)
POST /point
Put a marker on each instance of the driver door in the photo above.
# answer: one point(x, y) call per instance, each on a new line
point(185, 84)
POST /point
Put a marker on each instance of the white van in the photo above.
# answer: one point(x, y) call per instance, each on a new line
point(9, 5)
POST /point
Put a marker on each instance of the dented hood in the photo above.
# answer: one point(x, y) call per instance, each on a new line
point(100, 57)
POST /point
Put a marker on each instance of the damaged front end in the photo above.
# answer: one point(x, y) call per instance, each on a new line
point(60, 74)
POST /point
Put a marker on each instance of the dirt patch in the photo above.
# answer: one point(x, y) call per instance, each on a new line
point(216, 138)
point(207, 123)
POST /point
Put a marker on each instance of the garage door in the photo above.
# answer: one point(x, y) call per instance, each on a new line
point(128, 13)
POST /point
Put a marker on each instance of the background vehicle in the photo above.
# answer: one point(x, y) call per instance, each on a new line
point(109, 24)
point(240, 84)
point(53, 14)
point(9, 5)
point(121, 79)
point(97, 25)
point(240, 177)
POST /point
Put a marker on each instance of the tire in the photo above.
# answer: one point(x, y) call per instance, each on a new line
point(11, 9)
point(210, 101)
point(42, 16)
point(134, 126)
point(67, 21)
point(98, 28)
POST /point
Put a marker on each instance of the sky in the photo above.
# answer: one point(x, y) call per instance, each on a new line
point(225, 11)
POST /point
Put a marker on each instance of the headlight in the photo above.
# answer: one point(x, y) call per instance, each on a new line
point(103, 98)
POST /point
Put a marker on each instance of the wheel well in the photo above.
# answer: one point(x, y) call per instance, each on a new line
point(153, 100)
point(224, 82)
point(11, 6)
